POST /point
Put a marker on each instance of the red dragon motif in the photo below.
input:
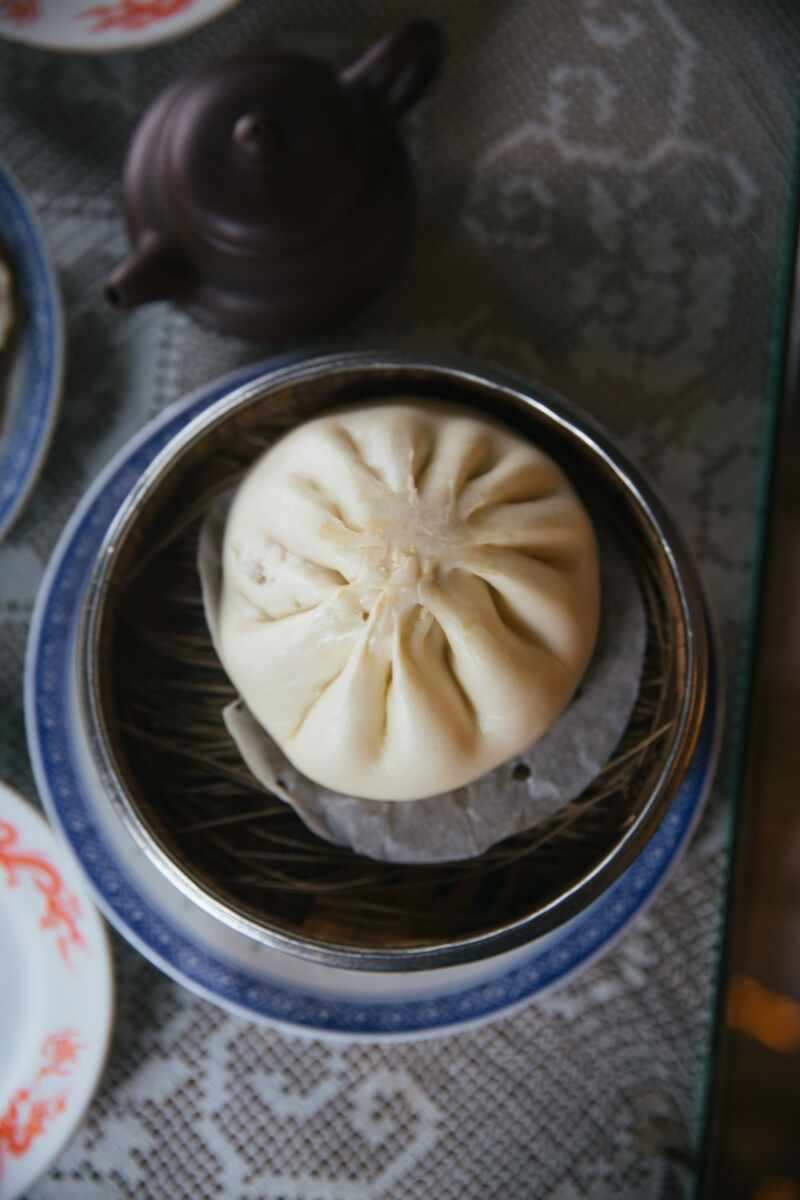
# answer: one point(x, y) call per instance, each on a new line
point(20, 10)
point(27, 1115)
point(61, 908)
point(132, 14)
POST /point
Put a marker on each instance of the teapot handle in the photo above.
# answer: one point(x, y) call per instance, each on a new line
point(401, 66)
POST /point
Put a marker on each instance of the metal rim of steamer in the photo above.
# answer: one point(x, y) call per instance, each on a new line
point(682, 592)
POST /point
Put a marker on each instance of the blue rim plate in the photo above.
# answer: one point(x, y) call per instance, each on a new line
point(269, 987)
point(30, 403)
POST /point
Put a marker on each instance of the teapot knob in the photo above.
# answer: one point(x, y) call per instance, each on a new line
point(258, 138)
point(400, 67)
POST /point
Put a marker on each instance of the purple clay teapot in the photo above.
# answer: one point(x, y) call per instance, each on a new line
point(271, 197)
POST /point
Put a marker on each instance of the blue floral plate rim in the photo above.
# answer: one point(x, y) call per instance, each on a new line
point(29, 414)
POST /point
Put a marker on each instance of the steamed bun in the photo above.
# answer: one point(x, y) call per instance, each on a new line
point(410, 596)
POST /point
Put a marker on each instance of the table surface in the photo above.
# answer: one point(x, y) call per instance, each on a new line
point(604, 203)
point(751, 1147)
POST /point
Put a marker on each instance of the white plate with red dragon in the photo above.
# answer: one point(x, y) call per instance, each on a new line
point(103, 25)
point(56, 988)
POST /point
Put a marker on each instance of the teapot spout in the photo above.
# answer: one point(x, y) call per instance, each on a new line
point(154, 270)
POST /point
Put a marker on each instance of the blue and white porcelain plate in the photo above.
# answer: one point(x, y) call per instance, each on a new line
point(218, 962)
point(31, 364)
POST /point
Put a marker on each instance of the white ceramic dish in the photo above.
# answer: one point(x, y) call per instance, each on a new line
point(218, 961)
point(31, 365)
point(103, 25)
point(56, 988)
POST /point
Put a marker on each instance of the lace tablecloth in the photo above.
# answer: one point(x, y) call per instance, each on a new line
point(604, 201)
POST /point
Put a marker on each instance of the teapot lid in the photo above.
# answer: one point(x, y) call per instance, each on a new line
point(263, 148)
